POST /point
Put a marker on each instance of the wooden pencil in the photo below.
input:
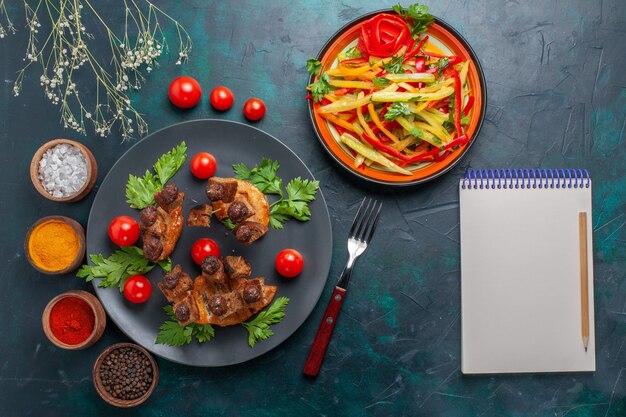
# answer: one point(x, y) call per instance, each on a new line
point(584, 280)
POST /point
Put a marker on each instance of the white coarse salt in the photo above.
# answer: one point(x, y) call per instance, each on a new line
point(63, 170)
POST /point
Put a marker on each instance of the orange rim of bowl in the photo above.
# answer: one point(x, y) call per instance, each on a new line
point(452, 40)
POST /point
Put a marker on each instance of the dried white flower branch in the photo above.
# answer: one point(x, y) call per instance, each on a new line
point(65, 51)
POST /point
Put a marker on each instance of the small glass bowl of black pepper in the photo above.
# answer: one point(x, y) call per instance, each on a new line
point(125, 375)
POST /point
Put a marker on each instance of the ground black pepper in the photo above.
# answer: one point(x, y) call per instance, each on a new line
point(126, 373)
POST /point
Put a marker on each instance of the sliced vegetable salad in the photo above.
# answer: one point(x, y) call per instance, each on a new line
point(393, 101)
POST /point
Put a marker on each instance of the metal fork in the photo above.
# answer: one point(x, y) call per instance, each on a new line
point(359, 237)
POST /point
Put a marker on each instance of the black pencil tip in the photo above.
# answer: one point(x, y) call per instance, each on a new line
point(585, 348)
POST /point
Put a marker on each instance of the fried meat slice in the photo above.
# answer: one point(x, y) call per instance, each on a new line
point(161, 226)
point(200, 216)
point(176, 284)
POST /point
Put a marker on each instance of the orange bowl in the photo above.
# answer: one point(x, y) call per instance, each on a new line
point(442, 37)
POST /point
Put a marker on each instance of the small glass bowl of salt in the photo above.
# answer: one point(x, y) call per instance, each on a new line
point(63, 170)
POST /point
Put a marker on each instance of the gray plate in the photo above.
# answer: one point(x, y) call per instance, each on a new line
point(230, 143)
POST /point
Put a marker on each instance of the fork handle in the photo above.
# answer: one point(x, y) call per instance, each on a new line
point(318, 350)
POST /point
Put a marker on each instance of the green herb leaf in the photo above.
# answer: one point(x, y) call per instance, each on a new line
point(259, 328)
point(140, 190)
point(114, 270)
point(395, 65)
point(299, 193)
point(320, 87)
point(173, 334)
point(397, 109)
point(381, 82)
point(169, 163)
point(442, 64)
point(416, 132)
point(313, 66)
point(263, 177)
point(228, 223)
point(353, 53)
point(465, 120)
point(414, 99)
point(416, 16)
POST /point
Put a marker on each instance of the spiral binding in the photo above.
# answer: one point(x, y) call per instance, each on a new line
point(525, 178)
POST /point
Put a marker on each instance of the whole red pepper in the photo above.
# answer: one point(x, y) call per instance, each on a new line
point(384, 35)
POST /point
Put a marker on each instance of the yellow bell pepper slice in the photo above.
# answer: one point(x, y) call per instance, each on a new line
point(372, 154)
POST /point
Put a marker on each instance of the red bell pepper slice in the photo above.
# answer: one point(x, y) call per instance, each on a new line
point(353, 61)
point(420, 64)
point(416, 50)
point(433, 155)
point(384, 148)
point(457, 101)
point(468, 106)
point(452, 59)
point(343, 91)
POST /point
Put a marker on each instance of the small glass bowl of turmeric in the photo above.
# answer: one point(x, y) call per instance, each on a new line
point(55, 245)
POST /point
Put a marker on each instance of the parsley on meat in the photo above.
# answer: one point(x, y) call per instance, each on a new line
point(395, 65)
point(173, 334)
point(397, 109)
point(417, 17)
point(263, 176)
point(294, 205)
point(320, 87)
point(313, 66)
point(299, 193)
point(140, 190)
point(259, 328)
point(123, 263)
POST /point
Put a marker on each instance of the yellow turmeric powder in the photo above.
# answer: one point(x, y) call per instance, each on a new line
point(53, 245)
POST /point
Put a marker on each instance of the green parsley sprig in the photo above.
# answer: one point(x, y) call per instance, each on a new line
point(416, 16)
point(313, 66)
point(293, 205)
point(395, 65)
point(380, 82)
point(397, 109)
point(320, 87)
point(259, 328)
point(173, 334)
point(115, 269)
point(353, 53)
point(140, 190)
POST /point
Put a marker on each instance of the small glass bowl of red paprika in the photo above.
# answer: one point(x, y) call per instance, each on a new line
point(74, 320)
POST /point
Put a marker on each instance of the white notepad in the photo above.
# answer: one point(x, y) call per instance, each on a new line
point(521, 273)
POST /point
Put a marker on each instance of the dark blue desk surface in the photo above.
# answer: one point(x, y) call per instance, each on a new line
point(557, 98)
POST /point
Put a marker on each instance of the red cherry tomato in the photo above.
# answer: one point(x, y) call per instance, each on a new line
point(124, 231)
point(185, 92)
point(222, 98)
point(289, 263)
point(203, 165)
point(137, 289)
point(254, 109)
point(202, 248)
